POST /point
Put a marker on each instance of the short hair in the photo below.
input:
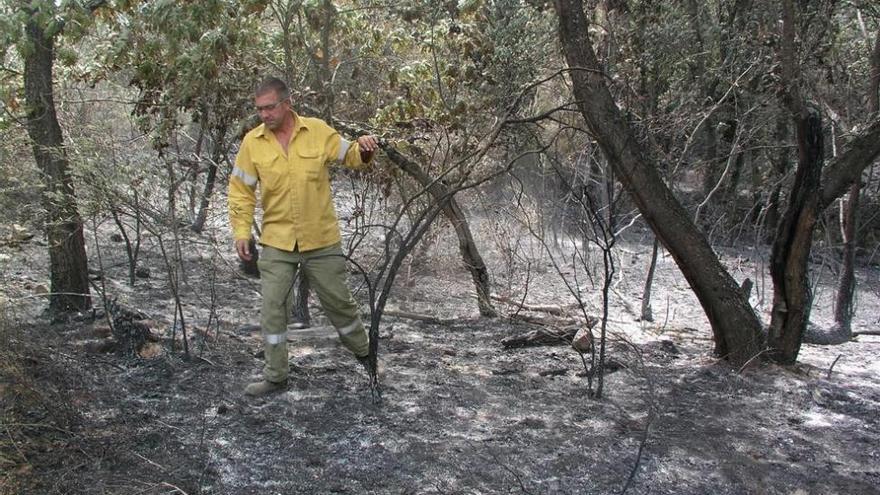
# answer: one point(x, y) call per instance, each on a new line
point(273, 84)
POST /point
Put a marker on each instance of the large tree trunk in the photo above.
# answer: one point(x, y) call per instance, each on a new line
point(847, 168)
point(846, 284)
point(779, 160)
point(67, 254)
point(453, 212)
point(789, 262)
point(790, 255)
point(736, 327)
point(809, 197)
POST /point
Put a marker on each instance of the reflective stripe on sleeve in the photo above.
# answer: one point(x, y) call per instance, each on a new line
point(276, 338)
point(245, 177)
point(344, 145)
point(348, 329)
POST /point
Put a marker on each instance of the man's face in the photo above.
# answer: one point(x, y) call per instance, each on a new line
point(272, 109)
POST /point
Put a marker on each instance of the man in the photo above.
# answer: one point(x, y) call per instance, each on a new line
point(288, 155)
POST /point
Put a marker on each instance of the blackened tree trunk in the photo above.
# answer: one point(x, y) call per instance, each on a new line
point(874, 86)
point(300, 312)
point(789, 258)
point(219, 136)
point(790, 254)
point(205, 202)
point(846, 284)
point(779, 160)
point(453, 212)
point(67, 254)
point(847, 168)
point(647, 314)
point(810, 195)
point(731, 195)
point(325, 72)
point(736, 327)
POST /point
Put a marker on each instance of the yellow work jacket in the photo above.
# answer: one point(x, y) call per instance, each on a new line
point(294, 188)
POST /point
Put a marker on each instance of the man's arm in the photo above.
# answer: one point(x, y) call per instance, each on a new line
point(352, 154)
point(242, 200)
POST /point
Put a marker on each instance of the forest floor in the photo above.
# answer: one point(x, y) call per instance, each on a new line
point(459, 412)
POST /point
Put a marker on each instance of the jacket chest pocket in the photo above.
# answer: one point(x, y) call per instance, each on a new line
point(272, 172)
point(310, 162)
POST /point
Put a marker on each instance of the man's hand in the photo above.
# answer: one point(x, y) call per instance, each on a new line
point(243, 250)
point(368, 143)
point(368, 146)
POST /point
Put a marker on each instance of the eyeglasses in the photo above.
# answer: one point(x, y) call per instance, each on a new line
point(269, 107)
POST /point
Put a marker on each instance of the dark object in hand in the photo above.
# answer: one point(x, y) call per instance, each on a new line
point(250, 267)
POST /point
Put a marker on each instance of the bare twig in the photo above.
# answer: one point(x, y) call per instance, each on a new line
point(831, 368)
point(161, 467)
point(516, 475)
point(756, 356)
point(176, 489)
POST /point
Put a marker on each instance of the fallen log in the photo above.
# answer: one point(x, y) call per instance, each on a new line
point(540, 336)
point(866, 332)
point(537, 308)
point(547, 336)
point(416, 316)
point(545, 321)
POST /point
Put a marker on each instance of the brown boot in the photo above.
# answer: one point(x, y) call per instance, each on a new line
point(261, 388)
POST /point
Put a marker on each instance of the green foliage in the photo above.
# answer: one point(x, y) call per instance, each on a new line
point(459, 65)
point(186, 58)
point(19, 182)
point(441, 62)
point(430, 70)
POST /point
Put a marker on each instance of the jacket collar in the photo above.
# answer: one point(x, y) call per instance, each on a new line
point(299, 123)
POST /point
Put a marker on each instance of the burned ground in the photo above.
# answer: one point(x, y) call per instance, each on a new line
point(459, 412)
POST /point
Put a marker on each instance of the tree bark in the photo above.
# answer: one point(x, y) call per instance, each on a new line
point(219, 136)
point(790, 254)
point(202, 214)
point(736, 327)
point(647, 314)
point(300, 312)
point(325, 72)
point(861, 152)
point(284, 12)
point(792, 299)
point(874, 86)
point(779, 159)
point(843, 303)
point(453, 212)
point(731, 194)
point(809, 197)
point(67, 254)
point(846, 283)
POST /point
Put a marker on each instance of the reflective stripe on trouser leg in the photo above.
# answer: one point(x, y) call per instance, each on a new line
point(327, 275)
point(354, 337)
point(277, 269)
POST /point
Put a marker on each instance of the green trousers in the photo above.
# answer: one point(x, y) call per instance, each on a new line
point(326, 272)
